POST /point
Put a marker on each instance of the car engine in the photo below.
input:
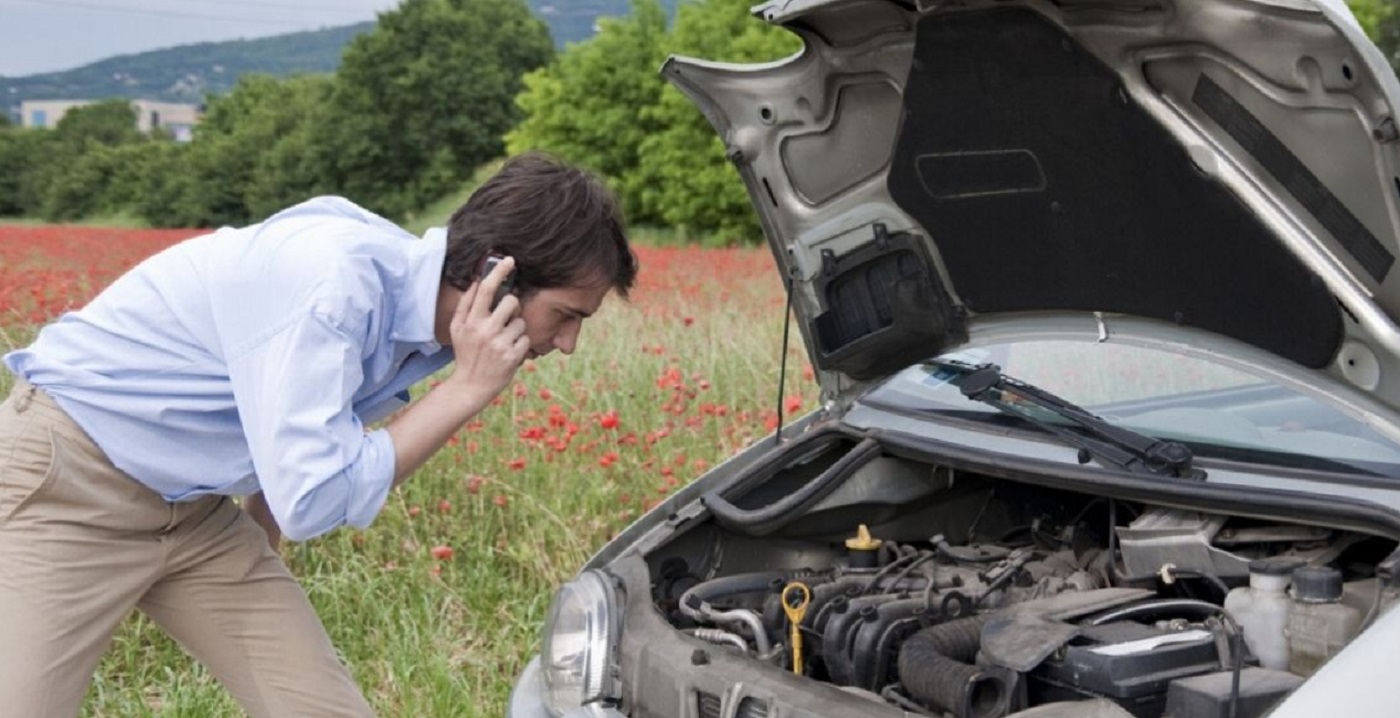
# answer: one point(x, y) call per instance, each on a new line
point(949, 593)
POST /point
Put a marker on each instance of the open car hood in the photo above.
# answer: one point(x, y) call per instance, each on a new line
point(1225, 165)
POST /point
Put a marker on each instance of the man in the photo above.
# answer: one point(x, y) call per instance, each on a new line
point(250, 362)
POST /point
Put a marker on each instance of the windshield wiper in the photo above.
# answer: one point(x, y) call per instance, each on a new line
point(1110, 444)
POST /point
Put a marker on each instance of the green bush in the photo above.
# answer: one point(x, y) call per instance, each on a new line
point(602, 104)
point(594, 105)
point(426, 97)
point(22, 155)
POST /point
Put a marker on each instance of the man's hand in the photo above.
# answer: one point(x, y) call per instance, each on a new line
point(488, 345)
point(256, 506)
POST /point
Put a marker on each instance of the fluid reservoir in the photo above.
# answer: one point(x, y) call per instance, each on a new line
point(1319, 624)
point(1261, 609)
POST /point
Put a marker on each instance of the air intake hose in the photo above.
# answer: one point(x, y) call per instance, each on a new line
point(935, 668)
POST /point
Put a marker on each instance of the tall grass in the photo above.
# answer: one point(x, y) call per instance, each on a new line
point(660, 388)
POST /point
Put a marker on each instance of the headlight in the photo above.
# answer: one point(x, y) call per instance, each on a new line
point(579, 639)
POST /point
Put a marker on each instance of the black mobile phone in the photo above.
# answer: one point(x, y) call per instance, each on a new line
point(506, 286)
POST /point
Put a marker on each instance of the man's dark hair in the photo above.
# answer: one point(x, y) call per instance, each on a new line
point(562, 225)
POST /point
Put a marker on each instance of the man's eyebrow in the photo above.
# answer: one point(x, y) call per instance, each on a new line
point(580, 313)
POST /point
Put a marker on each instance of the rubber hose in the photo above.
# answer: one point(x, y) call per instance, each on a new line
point(1154, 607)
point(770, 518)
point(934, 666)
point(738, 584)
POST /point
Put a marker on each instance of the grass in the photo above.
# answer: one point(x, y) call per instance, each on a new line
point(114, 219)
point(659, 389)
point(437, 213)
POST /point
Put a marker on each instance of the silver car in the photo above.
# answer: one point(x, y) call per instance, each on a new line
point(1102, 299)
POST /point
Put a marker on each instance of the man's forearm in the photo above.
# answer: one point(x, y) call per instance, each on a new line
point(428, 423)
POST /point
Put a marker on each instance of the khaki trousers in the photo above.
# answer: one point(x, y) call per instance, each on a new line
point(81, 544)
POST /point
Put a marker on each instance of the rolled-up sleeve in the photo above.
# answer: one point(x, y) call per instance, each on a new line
point(294, 386)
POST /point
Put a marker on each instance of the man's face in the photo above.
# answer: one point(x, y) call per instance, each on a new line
point(553, 317)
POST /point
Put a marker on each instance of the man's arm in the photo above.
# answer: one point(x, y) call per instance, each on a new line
point(487, 348)
point(293, 391)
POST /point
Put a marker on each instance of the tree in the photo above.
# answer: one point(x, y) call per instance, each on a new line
point(238, 163)
point(290, 170)
point(427, 96)
point(689, 182)
point(74, 175)
point(1368, 13)
point(111, 122)
point(603, 105)
point(23, 153)
point(1381, 21)
point(1388, 36)
point(164, 187)
point(590, 106)
point(104, 179)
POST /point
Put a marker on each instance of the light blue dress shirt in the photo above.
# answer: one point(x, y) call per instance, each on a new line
point(254, 358)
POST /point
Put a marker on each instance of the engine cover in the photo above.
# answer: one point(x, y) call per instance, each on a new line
point(1127, 662)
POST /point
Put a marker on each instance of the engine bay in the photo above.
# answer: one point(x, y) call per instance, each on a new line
point(949, 592)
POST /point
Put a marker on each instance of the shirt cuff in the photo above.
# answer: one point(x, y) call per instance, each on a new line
point(371, 489)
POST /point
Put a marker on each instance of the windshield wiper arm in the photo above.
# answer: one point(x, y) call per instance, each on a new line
point(1111, 444)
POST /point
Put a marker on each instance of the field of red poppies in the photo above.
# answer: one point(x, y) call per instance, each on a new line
point(47, 269)
point(437, 605)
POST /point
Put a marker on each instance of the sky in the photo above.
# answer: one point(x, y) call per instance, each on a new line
point(47, 35)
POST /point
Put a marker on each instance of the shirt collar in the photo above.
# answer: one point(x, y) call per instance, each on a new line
point(416, 312)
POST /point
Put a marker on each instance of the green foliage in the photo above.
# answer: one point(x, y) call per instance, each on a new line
point(190, 73)
point(105, 123)
point(1369, 13)
point(22, 155)
point(689, 181)
point(427, 97)
point(1381, 21)
point(591, 104)
point(165, 188)
point(250, 156)
point(89, 184)
point(603, 105)
point(421, 102)
point(80, 167)
point(1387, 35)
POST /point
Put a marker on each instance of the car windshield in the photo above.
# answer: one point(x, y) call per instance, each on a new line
point(1216, 410)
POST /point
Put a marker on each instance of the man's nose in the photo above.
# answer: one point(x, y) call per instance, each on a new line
point(566, 340)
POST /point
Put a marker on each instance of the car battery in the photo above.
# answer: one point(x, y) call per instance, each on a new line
point(1129, 663)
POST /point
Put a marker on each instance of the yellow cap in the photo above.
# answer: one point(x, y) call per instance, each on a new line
point(862, 540)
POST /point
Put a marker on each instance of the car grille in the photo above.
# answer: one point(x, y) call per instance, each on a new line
point(709, 705)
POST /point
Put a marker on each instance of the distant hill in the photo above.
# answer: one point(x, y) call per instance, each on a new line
point(190, 72)
point(573, 20)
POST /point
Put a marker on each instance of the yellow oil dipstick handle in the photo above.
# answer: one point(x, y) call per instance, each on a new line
point(795, 598)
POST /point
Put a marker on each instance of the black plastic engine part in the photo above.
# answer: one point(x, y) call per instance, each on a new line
point(874, 647)
point(838, 641)
point(1208, 696)
point(1130, 663)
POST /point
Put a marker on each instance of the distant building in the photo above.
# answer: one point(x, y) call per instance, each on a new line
point(46, 113)
point(177, 119)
